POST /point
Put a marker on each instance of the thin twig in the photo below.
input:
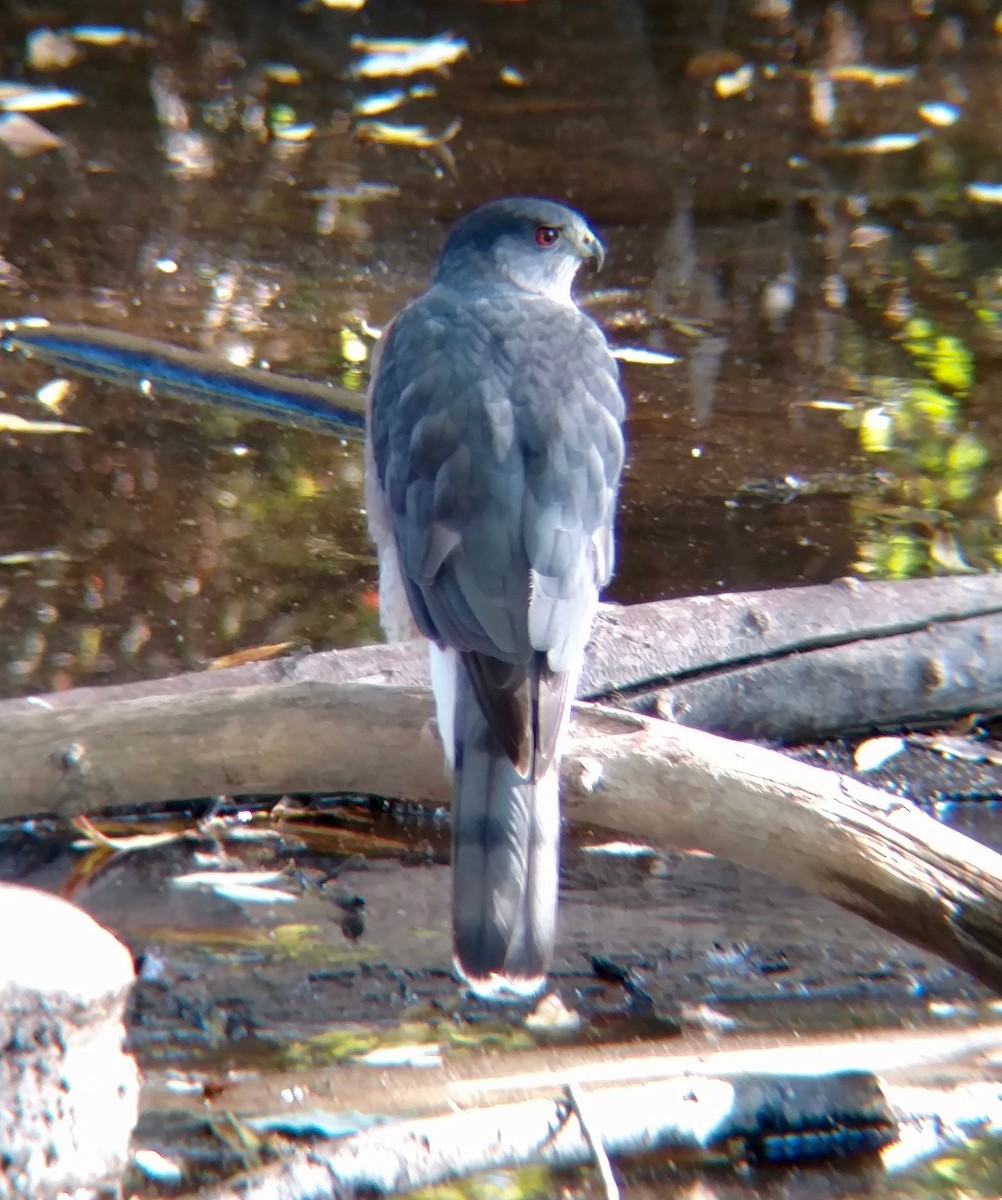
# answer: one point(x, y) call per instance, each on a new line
point(593, 1137)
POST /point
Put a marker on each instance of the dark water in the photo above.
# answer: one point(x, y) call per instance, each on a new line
point(797, 206)
point(776, 253)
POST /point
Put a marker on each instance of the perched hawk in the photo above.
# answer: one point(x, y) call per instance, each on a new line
point(493, 455)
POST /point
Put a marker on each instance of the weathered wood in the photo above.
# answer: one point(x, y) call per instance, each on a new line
point(790, 663)
point(296, 726)
point(646, 1096)
point(868, 851)
point(643, 778)
point(688, 1116)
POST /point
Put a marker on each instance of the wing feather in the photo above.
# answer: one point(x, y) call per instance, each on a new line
point(495, 431)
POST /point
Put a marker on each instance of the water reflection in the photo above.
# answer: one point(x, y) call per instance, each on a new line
point(799, 206)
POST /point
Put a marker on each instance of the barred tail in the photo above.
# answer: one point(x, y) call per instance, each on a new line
point(505, 860)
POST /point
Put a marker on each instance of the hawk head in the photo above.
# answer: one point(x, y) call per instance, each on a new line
point(531, 244)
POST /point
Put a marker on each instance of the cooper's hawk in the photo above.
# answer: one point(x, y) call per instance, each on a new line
point(493, 458)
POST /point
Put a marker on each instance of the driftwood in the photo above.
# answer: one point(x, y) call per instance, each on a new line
point(789, 663)
point(788, 1103)
point(640, 777)
point(687, 1115)
point(227, 733)
point(675, 787)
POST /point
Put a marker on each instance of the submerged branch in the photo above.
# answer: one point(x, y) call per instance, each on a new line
point(788, 1102)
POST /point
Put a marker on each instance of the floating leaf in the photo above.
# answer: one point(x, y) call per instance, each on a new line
point(886, 143)
point(406, 56)
point(984, 193)
point(830, 405)
point(254, 654)
point(293, 132)
point(381, 102)
point(39, 99)
point(243, 887)
point(418, 136)
point(863, 237)
point(416, 1055)
point(942, 116)
point(25, 138)
point(52, 395)
point(283, 73)
point(875, 76)
point(707, 1017)
point(945, 552)
point(157, 1166)
point(637, 354)
point(874, 752)
point(48, 51)
point(11, 423)
point(24, 558)
point(104, 35)
point(735, 83)
point(551, 1015)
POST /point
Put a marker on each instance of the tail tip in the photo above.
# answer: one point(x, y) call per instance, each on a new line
point(500, 988)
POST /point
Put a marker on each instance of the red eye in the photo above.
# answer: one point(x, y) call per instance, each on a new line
point(546, 235)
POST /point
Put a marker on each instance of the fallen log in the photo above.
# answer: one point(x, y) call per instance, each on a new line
point(787, 664)
point(303, 725)
point(640, 777)
point(786, 1105)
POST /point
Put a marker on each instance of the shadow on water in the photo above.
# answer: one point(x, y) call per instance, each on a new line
point(801, 211)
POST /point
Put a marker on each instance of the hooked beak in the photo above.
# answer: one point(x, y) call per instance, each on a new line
point(591, 247)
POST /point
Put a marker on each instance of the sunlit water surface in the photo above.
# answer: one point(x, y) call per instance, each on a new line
point(801, 212)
